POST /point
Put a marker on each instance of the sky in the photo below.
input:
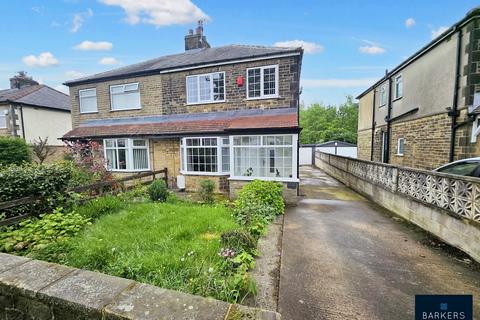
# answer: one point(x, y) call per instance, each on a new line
point(348, 44)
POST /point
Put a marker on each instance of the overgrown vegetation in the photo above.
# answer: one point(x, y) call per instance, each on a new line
point(322, 123)
point(13, 151)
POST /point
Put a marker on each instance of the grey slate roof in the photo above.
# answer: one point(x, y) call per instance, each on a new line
point(37, 95)
point(188, 58)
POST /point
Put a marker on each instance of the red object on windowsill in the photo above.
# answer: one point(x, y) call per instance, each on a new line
point(240, 81)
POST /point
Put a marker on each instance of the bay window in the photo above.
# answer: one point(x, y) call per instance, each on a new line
point(127, 154)
point(88, 100)
point(205, 155)
point(262, 82)
point(268, 156)
point(206, 88)
point(125, 97)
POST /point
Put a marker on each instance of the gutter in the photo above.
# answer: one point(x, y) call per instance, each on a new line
point(454, 113)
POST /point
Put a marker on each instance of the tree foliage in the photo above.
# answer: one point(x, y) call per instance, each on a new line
point(325, 123)
point(13, 150)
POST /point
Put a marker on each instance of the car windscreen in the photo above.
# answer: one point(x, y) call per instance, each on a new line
point(466, 168)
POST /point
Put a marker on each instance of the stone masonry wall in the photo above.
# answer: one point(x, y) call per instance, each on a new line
point(364, 145)
point(166, 93)
point(37, 290)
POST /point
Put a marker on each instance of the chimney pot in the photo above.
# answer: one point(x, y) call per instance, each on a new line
point(196, 40)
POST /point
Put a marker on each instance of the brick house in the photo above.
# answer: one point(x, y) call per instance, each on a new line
point(424, 112)
point(228, 114)
point(30, 110)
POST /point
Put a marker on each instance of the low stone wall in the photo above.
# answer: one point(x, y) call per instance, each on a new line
point(445, 205)
point(290, 190)
point(32, 289)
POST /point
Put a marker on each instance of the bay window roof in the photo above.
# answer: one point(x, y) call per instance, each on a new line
point(282, 119)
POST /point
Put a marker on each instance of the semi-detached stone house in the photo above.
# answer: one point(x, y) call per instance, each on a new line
point(424, 112)
point(228, 114)
point(30, 111)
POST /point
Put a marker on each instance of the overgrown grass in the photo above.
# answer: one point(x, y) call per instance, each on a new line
point(173, 246)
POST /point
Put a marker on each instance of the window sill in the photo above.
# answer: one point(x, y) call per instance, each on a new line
point(204, 173)
point(396, 99)
point(245, 178)
point(399, 155)
point(264, 98)
point(205, 102)
point(125, 109)
point(91, 112)
point(382, 105)
point(127, 171)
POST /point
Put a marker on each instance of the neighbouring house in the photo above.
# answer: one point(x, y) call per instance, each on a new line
point(228, 114)
point(424, 112)
point(31, 111)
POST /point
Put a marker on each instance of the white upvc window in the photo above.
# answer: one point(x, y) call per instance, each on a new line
point(205, 155)
point(400, 146)
point(3, 119)
point(125, 97)
point(383, 95)
point(262, 82)
point(398, 86)
point(206, 88)
point(127, 154)
point(475, 130)
point(267, 157)
point(88, 100)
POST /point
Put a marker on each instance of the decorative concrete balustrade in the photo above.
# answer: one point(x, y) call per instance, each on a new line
point(32, 289)
point(445, 205)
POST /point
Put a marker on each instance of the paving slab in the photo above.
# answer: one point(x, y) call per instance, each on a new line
point(343, 257)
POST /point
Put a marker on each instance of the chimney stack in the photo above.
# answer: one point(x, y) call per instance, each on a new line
point(196, 40)
point(21, 80)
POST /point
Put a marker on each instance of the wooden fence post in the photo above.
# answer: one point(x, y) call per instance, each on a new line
point(166, 176)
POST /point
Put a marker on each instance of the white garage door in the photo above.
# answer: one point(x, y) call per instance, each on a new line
point(305, 155)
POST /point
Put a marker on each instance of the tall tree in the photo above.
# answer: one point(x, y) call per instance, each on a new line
point(325, 123)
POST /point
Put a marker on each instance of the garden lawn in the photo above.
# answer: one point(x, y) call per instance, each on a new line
point(172, 246)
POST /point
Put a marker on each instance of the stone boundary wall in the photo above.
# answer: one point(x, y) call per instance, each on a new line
point(445, 205)
point(32, 289)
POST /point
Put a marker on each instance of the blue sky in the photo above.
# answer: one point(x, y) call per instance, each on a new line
point(348, 44)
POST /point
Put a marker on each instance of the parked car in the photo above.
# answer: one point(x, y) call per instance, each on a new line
point(466, 167)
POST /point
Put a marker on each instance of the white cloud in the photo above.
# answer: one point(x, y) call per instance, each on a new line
point(108, 61)
point(62, 88)
point(410, 22)
point(159, 12)
point(45, 59)
point(79, 19)
point(337, 83)
point(371, 49)
point(438, 31)
point(72, 74)
point(94, 46)
point(308, 47)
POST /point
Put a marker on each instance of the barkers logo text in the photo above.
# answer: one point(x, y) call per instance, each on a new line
point(443, 307)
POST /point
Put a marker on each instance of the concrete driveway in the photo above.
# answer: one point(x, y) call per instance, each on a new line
point(345, 258)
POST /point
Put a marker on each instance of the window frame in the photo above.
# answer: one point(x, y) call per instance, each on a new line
point(80, 100)
point(262, 95)
point(123, 85)
point(396, 82)
point(398, 146)
point(475, 130)
point(129, 154)
point(219, 146)
point(212, 100)
point(294, 147)
point(382, 99)
point(4, 115)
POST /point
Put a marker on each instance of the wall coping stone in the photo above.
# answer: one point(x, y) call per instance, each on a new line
point(38, 289)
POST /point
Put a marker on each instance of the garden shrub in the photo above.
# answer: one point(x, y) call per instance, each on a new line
point(157, 191)
point(260, 192)
point(206, 190)
point(14, 151)
point(46, 181)
point(35, 233)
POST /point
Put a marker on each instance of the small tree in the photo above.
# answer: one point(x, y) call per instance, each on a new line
point(88, 155)
point(41, 149)
point(206, 190)
point(13, 151)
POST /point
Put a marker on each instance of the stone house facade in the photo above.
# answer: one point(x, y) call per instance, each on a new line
point(29, 110)
point(228, 114)
point(424, 112)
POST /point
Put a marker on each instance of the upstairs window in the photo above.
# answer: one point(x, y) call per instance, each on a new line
point(398, 86)
point(125, 96)
point(127, 154)
point(88, 100)
point(206, 88)
point(3, 119)
point(383, 95)
point(262, 82)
